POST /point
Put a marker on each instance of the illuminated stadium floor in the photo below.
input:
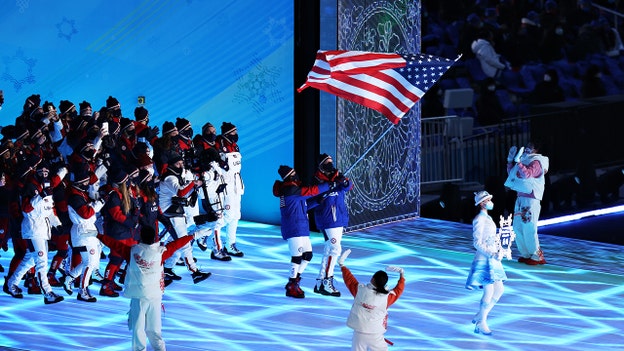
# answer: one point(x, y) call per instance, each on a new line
point(568, 304)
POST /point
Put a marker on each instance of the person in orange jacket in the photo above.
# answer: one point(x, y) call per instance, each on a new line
point(369, 314)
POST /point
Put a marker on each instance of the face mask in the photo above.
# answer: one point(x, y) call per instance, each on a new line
point(211, 137)
point(89, 154)
point(188, 133)
point(489, 206)
point(233, 137)
point(176, 170)
point(327, 167)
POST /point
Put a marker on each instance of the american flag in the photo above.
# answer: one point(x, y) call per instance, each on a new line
point(386, 82)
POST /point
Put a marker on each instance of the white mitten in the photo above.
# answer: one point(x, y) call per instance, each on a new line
point(97, 205)
point(394, 269)
point(512, 153)
point(519, 155)
point(343, 257)
point(62, 172)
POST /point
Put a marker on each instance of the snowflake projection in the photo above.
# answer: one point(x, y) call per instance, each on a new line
point(19, 70)
point(259, 86)
point(386, 175)
point(22, 5)
point(277, 31)
point(66, 28)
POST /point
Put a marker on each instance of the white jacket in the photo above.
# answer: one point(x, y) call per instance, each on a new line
point(144, 275)
point(36, 223)
point(490, 60)
point(369, 313)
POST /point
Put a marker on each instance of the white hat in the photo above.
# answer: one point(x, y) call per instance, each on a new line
point(481, 196)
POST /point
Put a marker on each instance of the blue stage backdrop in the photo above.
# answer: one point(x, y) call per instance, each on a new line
point(207, 61)
point(386, 178)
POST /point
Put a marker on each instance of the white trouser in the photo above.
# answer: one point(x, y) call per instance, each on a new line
point(366, 342)
point(231, 216)
point(526, 215)
point(179, 225)
point(37, 258)
point(333, 238)
point(90, 254)
point(144, 319)
point(297, 246)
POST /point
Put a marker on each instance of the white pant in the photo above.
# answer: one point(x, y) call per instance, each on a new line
point(297, 246)
point(333, 238)
point(37, 258)
point(179, 225)
point(366, 342)
point(526, 215)
point(231, 216)
point(90, 261)
point(145, 321)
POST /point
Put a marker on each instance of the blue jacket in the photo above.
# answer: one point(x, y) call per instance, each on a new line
point(331, 211)
point(293, 206)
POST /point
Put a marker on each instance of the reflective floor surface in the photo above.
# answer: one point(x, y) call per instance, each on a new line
point(575, 302)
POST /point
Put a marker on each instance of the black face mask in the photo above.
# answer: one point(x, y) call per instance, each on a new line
point(187, 133)
point(211, 137)
point(175, 170)
point(116, 113)
point(233, 138)
point(89, 154)
point(327, 167)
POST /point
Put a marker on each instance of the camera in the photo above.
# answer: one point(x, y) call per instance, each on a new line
point(180, 201)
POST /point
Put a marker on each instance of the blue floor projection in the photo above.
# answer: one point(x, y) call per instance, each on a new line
point(575, 302)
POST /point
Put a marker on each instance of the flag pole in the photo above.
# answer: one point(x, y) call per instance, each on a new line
point(369, 149)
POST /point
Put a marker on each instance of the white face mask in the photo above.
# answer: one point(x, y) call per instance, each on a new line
point(489, 206)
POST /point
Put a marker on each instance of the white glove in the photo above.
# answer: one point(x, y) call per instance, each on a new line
point(519, 155)
point(512, 153)
point(394, 269)
point(343, 257)
point(104, 130)
point(97, 205)
point(62, 172)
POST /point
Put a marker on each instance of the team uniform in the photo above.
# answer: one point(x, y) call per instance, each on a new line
point(227, 145)
point(173, 192)
point(330, 216)
point(82, 213)
point(37, 208)
point(295, 224)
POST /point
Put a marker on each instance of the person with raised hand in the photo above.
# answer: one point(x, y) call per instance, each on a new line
point(527, 176)
point(369, 314)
